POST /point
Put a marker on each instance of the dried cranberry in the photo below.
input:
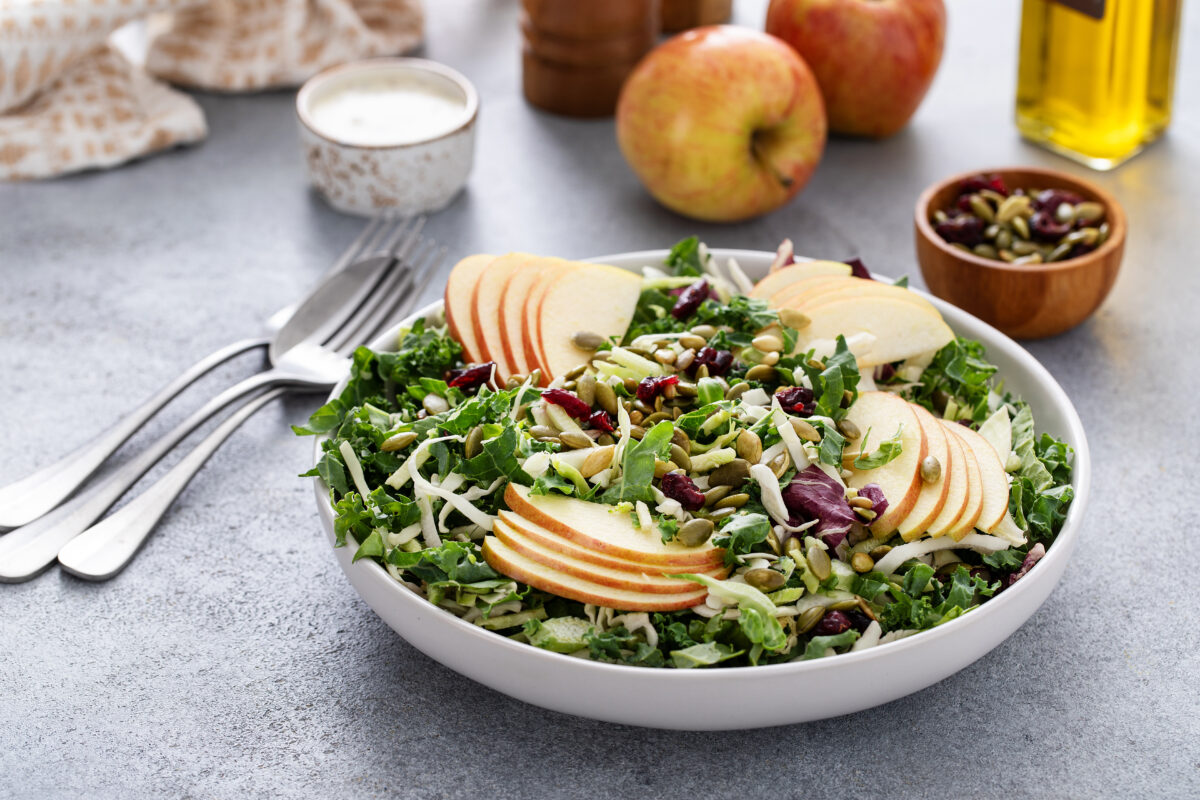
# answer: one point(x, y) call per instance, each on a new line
point(963, 230)
point(798, 400)
point(858, 269)
point(471, 378)
point(859, 620)
point(833, 623)
point(1045, 227)
point(690, 300)
point(601, 421)
point(717, 361)
point(884, 372)
point(978, 182)
point(680, 487)
point(652, 387)
point(1049, 200)
point(963, 203)
point(569, 402)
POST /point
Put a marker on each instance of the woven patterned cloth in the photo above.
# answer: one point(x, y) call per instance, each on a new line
point(69, 101)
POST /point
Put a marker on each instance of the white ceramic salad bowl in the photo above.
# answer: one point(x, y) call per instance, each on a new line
point(743, 697)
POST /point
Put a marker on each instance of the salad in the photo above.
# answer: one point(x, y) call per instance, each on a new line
point(730, 475)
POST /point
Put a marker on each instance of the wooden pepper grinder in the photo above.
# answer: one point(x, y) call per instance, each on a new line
point(679, 15)
point(576, 55)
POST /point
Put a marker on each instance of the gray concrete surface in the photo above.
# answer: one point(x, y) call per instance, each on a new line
point(233, 660)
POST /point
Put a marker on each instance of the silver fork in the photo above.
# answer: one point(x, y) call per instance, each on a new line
point(103, 550)
point(27, 499)
point(28, 550)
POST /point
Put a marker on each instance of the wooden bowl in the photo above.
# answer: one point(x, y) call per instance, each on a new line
point(1026, 301)
point(679, 15)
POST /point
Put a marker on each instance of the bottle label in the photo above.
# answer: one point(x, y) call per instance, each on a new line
point(1092, 8)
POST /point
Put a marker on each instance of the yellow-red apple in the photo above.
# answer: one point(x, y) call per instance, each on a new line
point(874, 59)
point(722, 123)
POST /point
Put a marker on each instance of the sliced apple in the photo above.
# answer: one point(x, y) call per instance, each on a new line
point(993, 478)
point(858, 287)
point(514, 299)
point(796, 272)
point(788, 294)
point(900, 329)
point(959, 489)
point(631, 579)
point(970, 515)
point(504, 559)
point(933, 495)
point(879, 415)
point(601, 528)
point(587, 297)
point(485, 308)
point(460, 287)
point(549, 539)
point(529, 315)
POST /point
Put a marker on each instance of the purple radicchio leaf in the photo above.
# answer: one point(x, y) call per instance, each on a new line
point(872, 492)
point(814, 495)
point(1032, 557)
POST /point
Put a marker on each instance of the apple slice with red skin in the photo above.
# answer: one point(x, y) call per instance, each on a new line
point(966, 521)
point(633, 580)
point(993, 478)
point(958, 495)
point(549, 539)
point(460, 289)
point(788, 294)
point(601, 528)
point(519, 567)
point(878, 416)
point(858, 287)
point(933, 495)
point(901, 329)
point(777, 281)
point(588, 297)
point(485, 308)
point(514, 298)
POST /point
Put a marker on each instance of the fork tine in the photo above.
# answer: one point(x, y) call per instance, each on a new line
point(404, 297)
point(358, 245)
point(377, 304)
point(390, 221)
point(398, 244)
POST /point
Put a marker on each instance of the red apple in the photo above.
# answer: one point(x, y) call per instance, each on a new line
point(874, 59)
point(722, 123)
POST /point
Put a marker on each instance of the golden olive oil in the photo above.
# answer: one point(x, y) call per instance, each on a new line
point(1095, 77)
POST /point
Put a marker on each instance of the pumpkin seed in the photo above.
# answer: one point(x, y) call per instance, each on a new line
point(1059, 253)
point(767, 343)
point(680, 439)
point(1007, 255)
point(1065, 213)
point(848, 429)
point(656, 417)
point(585, 387)
point(1004, 239)
point(765, 580)
point(586, 340)
point(664, 356)
point(549, 440)
point(644, 407)
point(809, 619)
point(705, 332)
point(846, 474)
point(994, 196)
point(815, 364)
point(1103, 237)
point(702, 371)
point(818, 562)
point(770, 359)
point(749, 445)
point(796, 320)
point(685, 359)
point(982, 208)
point(720, 513)
point(575, 440)
point(680, 457)
point(733, 501)
point(984, 251)
point(662, 468)
point(575, 372)
point(434, 404)
point(735, 473)
point(568, 385)
point(847, 398)
point(694, 533)
point(780, 464)
point(880, 551)
point(931, 469)
point(676, 412)
point(736, 391)
point(858, 533)
point(398, 442)
point(844, 605)
point(716, 494)
point(1084, 235)
point(686, 389)
point(514, 381)
point(860, 502)
point(598, 460)
point(861, 562)
point(605, 440)
point(540, 431)
point(637, 432)
point(473, 446)
point(630, 385)
point(1020, 227)
point(690, 341)
point(805, 430)
point(1032, 258)
point(761, 372)
point(773, 542)
point(1088, 212)
point(960, 246)
point(636, 417)
point(992, 231)
point(1014, 207)
point(1024, 248)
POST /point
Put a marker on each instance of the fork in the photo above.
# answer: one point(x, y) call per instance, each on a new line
point(103, 550)
point(31, 497)
point(28, 550)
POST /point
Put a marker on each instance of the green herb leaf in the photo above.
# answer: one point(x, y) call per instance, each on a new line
point(819, 644)
point(637, 466)
point(888, 450)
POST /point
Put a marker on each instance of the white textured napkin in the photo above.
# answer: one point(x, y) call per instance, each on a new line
point(69, 101)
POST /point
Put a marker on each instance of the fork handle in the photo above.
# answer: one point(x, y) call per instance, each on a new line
point(28, 550)
point(29, 498)
point(104, 549)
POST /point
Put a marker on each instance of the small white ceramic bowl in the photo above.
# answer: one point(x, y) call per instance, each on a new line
point(743, 697)
point(408, 154)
